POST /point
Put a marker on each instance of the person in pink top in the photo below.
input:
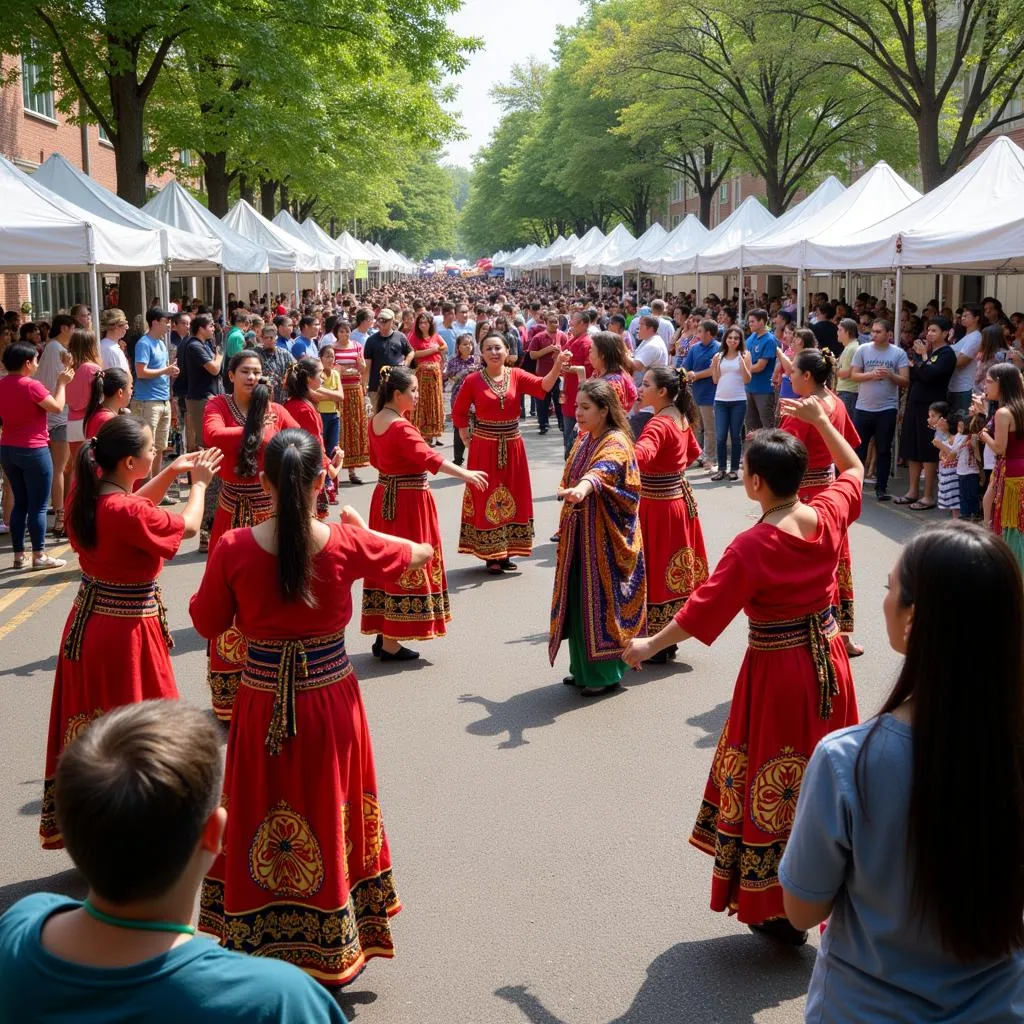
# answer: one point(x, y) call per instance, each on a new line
point(578, 346)
point(86, 362)
point(24, 451)
point(543, 346)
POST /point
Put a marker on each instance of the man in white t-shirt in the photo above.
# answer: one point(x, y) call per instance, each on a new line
point(651, 350)
point(961, 384)
point(113, 326)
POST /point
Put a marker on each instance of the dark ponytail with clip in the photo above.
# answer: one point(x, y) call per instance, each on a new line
point(292, 462)
point(105, 384)
point(122, 437)
point(820, 363)
point(675, 383)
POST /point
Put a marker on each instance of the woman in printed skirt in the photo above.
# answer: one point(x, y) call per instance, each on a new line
point(674, 553)
point(305, 875)
point(115, 648)
point(599, 598)
point(794, 685)
point(241, 425)
point(429, 353)
point(415, 606)
point(498, 523)
point(353, 370)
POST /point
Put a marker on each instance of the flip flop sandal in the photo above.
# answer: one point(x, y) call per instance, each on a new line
point(905, 500)
point(921, 506)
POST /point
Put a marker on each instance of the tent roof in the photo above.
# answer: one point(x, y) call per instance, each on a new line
point(328, 258)
point(804, 211)
point(556, 254)
point(524, 256)
point(811, 244)
point(285, 251)
point(683, 240)
point(355, 248)
point(587, 244)
point(604, 259)
point(174, 205)
point(750, 218)
point(189, 254)
point(973, 222)
point(652, 240)
point(552, 249)
point(40, 231)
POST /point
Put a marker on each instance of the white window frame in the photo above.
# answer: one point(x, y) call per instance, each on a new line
point(36, 103)
point(723, 192)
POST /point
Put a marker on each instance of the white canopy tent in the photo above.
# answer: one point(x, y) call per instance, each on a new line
point(327, 259)
point(651, 240)
point(750, 218)
point(604, 259)
point(317, 236)
point(685, 238)
point(741, 257)
point(41, 232)
point(556, 252)
point(518, 262)
point(583, 250)
point(544, 252)
point(350, 244)
point(284, 251)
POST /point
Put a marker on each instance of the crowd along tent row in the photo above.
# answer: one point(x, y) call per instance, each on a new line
point(59, 220)
point(971, 224)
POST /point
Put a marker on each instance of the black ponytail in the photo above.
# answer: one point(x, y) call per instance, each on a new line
point(105, 384)
point(296, 380)
point(292, 462)
point(678, 388)
point(820, 363)
point(120, 438)
point(393, 379)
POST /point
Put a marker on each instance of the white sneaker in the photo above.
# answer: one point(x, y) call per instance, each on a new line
point(46, 562)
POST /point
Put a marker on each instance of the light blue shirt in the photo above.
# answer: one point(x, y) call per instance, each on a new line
point(763, 346)
point(152, 353)
point(875, 962)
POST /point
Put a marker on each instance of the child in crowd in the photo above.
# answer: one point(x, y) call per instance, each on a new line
point(138, 803)
point(950, 437)
point(464, 362)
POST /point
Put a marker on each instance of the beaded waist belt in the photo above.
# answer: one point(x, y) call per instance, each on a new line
point(814, 631)
point(502, 432)
point(246, 504)
point(393, 484)
point(667, 487)
point(284, 667)
point(121, 600)
point(351, 384)
point(818, 477)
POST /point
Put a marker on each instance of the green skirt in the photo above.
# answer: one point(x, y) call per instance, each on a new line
point(590, 674)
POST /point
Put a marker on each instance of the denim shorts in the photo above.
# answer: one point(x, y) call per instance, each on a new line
point(59, 433)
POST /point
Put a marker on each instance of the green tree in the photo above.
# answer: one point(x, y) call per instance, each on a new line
point(422, 221)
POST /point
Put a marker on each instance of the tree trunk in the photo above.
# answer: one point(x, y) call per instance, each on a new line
point(245, 189)
point(268, 193)
point(776, 196)
point(131, 169)
point(285, 205)
point(928, 149)
point(217, 181)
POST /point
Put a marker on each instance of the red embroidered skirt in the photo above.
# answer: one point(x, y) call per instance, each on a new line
point(674, 553)
point(498, 523)
point(305, 875)
point(416, 605)
point(354, 440)
point(428, 417)
point(115, 650)
point(775, 722)
point(814, 482)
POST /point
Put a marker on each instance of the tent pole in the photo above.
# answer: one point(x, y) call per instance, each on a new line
point(898, 311)
point(938, 291)
point(223, 295)
point(298, 294)
point(741, 295)
point(846, 294)
point(800, 297)
point(145, 301)
point(94, 297)
point(697, 289)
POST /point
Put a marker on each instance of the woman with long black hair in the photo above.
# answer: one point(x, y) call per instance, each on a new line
point(306, 871)
point(927, 913)
point(115, 648)
point(111, 393)
point(241, 425)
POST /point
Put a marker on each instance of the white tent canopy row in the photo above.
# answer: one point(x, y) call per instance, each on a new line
point(604, 259)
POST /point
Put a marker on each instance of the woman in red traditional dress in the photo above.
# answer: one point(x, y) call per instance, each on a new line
point(812, 374)
point(415, 606)
point(305, 875)
point(429, 353)
point(352, 367)
point(498, 523)
point(115, 646)
point(794, 685)
point(674, 551)
point(240, 425)
point(302, 380)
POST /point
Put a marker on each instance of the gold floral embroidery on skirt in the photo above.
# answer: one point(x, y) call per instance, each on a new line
point(285, 856)
point(501, 506)
point(685, 572)
point(774, 792)
point(373, 831)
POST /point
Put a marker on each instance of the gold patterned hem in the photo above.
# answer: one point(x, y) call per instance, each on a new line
point(502, 542)
point(223, 689)
point(660, 615)
point(50, 837)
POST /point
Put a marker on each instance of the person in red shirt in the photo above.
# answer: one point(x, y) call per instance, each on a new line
point(543, 346)
point(578, 346)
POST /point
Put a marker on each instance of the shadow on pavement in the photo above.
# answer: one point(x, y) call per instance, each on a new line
point(65, 883)
point(187, 640)
point(728, 979)
point(711, 722)
point(47, 665)
point(532, 709)
point(368, 667)
point(349, 1001)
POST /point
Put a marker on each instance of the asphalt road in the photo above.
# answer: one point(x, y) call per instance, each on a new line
point(539, 840)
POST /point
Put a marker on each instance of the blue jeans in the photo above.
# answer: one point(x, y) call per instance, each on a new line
point(568, 431)
point(729, 425)
point(332, 431)
point(30, 471)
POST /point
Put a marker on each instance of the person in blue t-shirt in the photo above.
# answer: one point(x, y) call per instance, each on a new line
point(697, 364)
point(138, 804)
point(909, 830)
point(154, 372)
point(760, 359)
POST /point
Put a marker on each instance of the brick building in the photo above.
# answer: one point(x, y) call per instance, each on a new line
point(31, 130)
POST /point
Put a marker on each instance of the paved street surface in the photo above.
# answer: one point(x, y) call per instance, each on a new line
point(539, 840)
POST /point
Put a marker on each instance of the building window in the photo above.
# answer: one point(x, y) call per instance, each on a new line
point(38, 102)
point(55, 293)
point(678, 190)
point(185, 158)
point(723, 193)
point(104, 137)
point(676, 218)
point(737, 192)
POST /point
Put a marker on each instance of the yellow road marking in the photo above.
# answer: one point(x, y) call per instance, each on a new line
point(26, 613)
point(20, 592)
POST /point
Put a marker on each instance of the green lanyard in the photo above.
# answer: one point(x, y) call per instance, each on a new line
point(141, 926)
